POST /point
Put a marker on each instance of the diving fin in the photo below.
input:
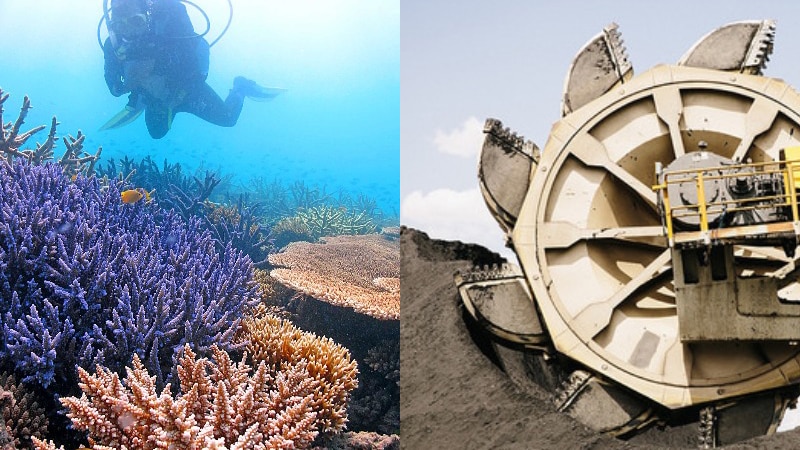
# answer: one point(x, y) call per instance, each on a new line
point(128, 114)
point(254, 91)
point(268, 93)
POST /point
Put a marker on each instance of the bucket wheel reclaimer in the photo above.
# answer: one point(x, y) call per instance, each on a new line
point(656, 233)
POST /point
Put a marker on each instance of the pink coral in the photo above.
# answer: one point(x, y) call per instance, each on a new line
point(223, 405)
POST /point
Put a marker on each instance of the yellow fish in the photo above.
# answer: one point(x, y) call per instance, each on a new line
point(131, 195)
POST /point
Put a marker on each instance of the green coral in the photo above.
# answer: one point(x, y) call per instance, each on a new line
point(310, 224)
point(333, 221)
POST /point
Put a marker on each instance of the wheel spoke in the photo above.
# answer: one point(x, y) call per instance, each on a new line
point(669, 107)
point(565, 234)
point(787, 273)
point(593, 153)
point(759, 119)
point(596, 316)
point(771, 253)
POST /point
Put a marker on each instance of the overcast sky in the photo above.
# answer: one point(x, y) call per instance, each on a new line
point(463, 61)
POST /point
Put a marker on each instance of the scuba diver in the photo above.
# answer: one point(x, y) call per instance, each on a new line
point(153, 53)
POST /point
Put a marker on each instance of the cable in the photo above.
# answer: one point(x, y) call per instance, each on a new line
point(103, 18)
point(205, 16)
point(227, 25)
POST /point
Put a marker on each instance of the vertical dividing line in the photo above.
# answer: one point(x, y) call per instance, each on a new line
point(792, 193)
point(786, 172)
point(701, 201)
point(667, 210)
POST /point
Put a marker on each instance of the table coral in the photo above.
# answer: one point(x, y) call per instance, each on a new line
point(282, 345)
point(343, 270)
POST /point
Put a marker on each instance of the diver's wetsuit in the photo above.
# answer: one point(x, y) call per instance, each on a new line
point(166, 72)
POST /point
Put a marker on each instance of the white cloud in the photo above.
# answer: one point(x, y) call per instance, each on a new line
point(454, 215)
point(791, 420)
point(465, 141)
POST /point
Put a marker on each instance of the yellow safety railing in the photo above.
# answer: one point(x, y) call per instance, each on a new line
point(789, 171)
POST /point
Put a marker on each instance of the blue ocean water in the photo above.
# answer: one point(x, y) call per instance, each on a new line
point(336, 126)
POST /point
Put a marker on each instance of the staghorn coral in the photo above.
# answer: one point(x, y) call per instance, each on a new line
point(222, 405)
point(310, 224)
point(281, 201)
point(291, 229)
point(185, 193)
point(282, 345)
point(74, 160)
point(24, 417)
point(238, 225)
point(342, 271)
point(299, 212)
point(391, 284)
point(331, 220)
point(87, 280)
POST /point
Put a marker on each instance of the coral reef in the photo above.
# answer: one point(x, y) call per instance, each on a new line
point(282, 345)
point(6, 440)
point(282, 201)
point(190, 197)
point(342, 270)
point(291, 229)
point(310, 224)
point(88, 280)
point(185, 193)
point(73, 161)
point(391, 232)
point(239, 226)
point(373, 343)
point(299, 212)
point(361, 441)
point(375, 406)
point(332, 221)
point(272, 293)
point(384, 359)
point(24, 417)
point(222, 405)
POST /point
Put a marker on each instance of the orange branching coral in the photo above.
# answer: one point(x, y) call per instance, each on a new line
point(281, 345)
point(343, 270)
point(222, 406)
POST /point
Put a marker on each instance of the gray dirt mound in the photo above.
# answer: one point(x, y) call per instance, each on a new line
point(452, 395)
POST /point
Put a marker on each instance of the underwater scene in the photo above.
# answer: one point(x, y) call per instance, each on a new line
point(199, 224)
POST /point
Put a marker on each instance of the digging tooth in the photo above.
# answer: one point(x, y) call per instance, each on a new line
point(760, 48)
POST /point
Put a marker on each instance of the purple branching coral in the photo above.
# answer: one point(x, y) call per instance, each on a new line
point(87, 280)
